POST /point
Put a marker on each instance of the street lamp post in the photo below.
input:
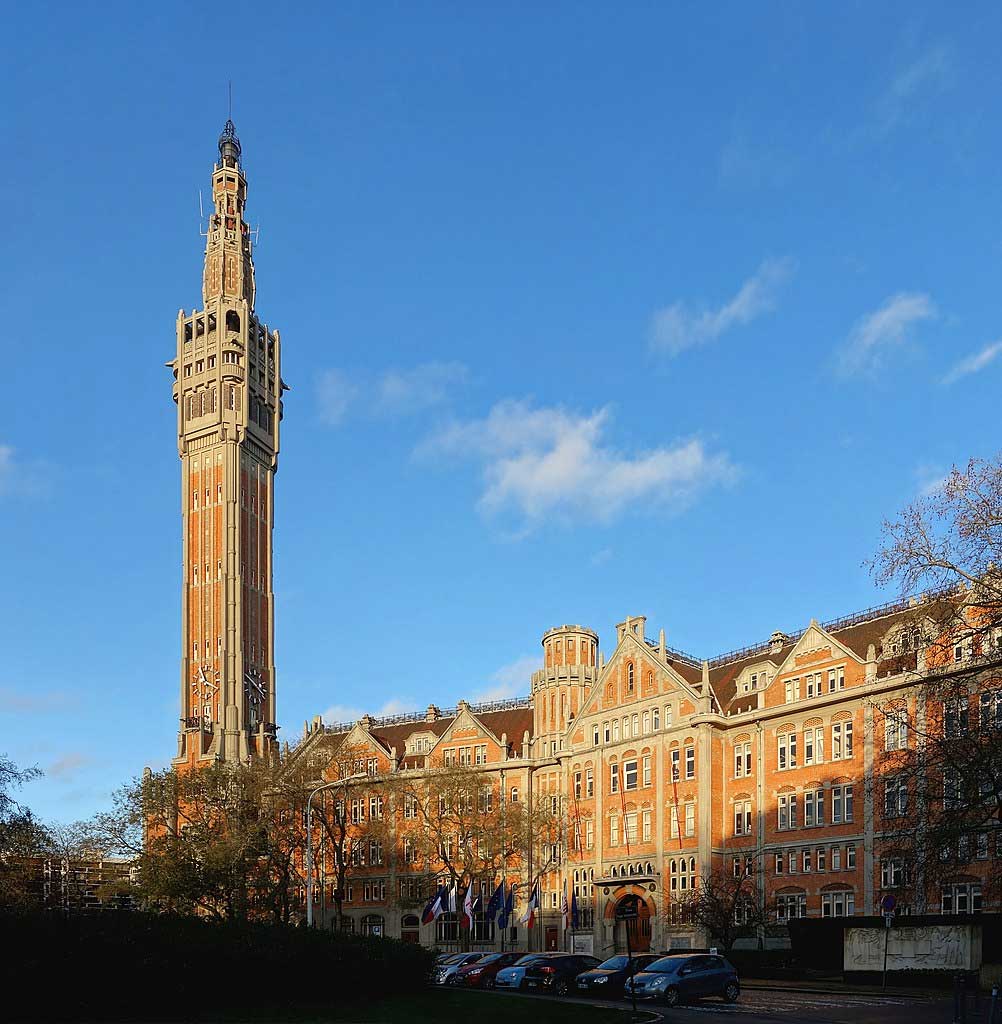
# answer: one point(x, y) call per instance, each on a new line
point(309, 837)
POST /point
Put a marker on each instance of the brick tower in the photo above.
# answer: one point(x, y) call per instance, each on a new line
point(228, 390)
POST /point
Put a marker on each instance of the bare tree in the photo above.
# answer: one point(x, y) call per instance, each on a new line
point(22, 839)
point(728, 906)
point(938, 793)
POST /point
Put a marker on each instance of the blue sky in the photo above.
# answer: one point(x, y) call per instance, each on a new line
point(588, 310)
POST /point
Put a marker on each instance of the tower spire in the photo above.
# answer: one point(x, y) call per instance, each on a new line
point(228, 388)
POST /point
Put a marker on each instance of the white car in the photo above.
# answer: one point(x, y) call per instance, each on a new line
point(444, 971)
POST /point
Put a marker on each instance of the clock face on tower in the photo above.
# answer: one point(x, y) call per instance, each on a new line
point(256, 692)
point(204, 687)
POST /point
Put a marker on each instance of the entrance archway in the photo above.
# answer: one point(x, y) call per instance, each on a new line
point(410, 928)
point(639, 927)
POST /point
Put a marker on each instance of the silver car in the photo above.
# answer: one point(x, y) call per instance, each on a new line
point(444, 971)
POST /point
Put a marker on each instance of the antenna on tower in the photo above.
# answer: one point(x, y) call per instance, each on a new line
point(229, 99)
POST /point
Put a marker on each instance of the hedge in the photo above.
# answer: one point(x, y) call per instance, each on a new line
point(151, 967)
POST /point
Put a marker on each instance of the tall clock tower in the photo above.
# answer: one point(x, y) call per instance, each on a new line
point(228, 389)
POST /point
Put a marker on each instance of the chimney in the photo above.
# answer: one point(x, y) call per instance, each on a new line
point(777, 641)
point(433, 714)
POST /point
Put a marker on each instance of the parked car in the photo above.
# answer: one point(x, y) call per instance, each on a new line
point(444, 971)
point(608, 978)
point(513, 977)
point(481, 973)
point(673, 979)
point(557, 972)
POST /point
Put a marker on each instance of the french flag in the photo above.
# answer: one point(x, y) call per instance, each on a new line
point(433, 907)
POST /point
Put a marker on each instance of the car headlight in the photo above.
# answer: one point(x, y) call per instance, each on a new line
point(477, 970)
point(601, 980)
point(659, 982)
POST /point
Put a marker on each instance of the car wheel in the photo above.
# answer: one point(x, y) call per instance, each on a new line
point(561, 988)
point(671, 996)
point(731, 992)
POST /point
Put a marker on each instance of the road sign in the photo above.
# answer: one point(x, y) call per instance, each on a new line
point(888, 918)
point(628, 909)
point(888, 903)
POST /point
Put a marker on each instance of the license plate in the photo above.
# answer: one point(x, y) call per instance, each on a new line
point(530, 984)
point(582, 984)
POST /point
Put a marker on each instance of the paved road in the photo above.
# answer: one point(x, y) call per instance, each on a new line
point(789, 1007)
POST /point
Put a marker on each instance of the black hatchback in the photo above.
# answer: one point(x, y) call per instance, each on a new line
point(557, 972)
point(607, 979)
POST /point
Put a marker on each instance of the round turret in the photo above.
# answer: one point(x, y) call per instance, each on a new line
point(229, 145)
point(562, 685)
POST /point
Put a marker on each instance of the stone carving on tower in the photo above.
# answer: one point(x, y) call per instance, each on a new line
point(228, 389)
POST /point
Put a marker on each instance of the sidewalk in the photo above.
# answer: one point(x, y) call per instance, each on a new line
point(832, 986)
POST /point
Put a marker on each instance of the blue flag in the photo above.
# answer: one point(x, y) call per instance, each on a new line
point(574, 910)
point(496, 902)
point(509, 908)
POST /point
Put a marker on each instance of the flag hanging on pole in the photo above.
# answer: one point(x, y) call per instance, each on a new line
point(451, 898)
point(565, 910)
point(433, 907)
point(574, 910)
point(496, 903)
point(468, 907)
point(509, 908)
point(529, 917)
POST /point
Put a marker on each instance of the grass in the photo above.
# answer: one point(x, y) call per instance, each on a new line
point(436, 1007)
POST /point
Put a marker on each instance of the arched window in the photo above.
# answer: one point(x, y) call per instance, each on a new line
point(629, 677)
point(636, 725)
point(232, 320)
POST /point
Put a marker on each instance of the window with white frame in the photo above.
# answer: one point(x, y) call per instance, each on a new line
point(792, 690)
point(806, 861)
point(646, 770)
point(690, 819)
point(786, 743)
point(790, 905)
point(630, 827)
point(690, 762)
point(787, 811)
point(894, 872)
point(841, 741)
point(838, 904)
point(615, 731)
point(780, 861)
point(895, 797)
point(850, 857)
point(791, 862)
point(836, 679)
point(836, 853)
point(673, 820)
point(961, 898)
point(589, 834)
point(594, 736)
point(814, 745)
point(675, 760)
point(742, 760)
point(812, 684)
point(814, 807)
point(668, 715)
point(822, 858)
point(614, 778)
point(589, 781)
point(646, 825)
point(647, 722)
point(955, 717)
point(606, 731)
point(990, 710)
point(630, 776)
point(742, 817)
point(656, 719)
point(842, 808)
point(614, 830)
point(896, 729)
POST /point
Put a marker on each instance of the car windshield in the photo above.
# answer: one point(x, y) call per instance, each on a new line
point(490, 958)
point(453, 958)
point(614, 963)
point(531, 959)
point(666, 965)
point(470, 957)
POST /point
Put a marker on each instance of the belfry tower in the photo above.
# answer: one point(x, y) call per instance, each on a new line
point(228, 389)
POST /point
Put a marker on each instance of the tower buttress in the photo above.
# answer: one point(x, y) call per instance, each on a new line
point(228, 389)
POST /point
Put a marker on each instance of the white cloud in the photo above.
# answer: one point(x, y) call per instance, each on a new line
point(335, 393)
point(396, 392)
point(511, 680)
point(887, 328)
point(338, 713)
point(552, 464)
point(67, 766)
point(406, 391)
point(974, 363)
point(930, 479)
point(677, 327)
point(929, 72)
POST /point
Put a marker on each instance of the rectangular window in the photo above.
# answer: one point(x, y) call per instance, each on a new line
point(690, 819)
point(690, 762)
point(589, 834)
point(647, 826)
point(577, 785)
point(806, 861)
point(896, 729)
point(955, 717)
point(792, 690)
point(605, 729)
point(822, 859)
point(742, 760)
point(836, 679)
point(630, 827)
point(614, 830)
point(656, 719)
point(480, 754)
point(787, 750)
point(850, 857)
point(614, 778)
point(615, 731)
point(647, 770)
point(836, 858)
point(673, 816)
point(675, 756)
point(668, 717)
point(791, 862)
point(589, 781)
point(594, 735)
point(779, 863)
point(814, 745)
point(630, 775)
point(841, 741)
point(838, 904)
point(742, 818)
point(895, 797)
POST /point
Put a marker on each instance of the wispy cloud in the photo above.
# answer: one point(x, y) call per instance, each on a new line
point(65, 768)
point(350, 713)
point(677, 327)
point(887, 328)
point(930, 479)
point(601, 557)
point(922, 75)
point(18, 477)
point(396, 392)
point(551, 464)
point(511, 680)
point(15, 701)
point(335, 393)
point(746, 161)
point(974, 363)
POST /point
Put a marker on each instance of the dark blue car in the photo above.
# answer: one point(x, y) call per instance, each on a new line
point(674, 979)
